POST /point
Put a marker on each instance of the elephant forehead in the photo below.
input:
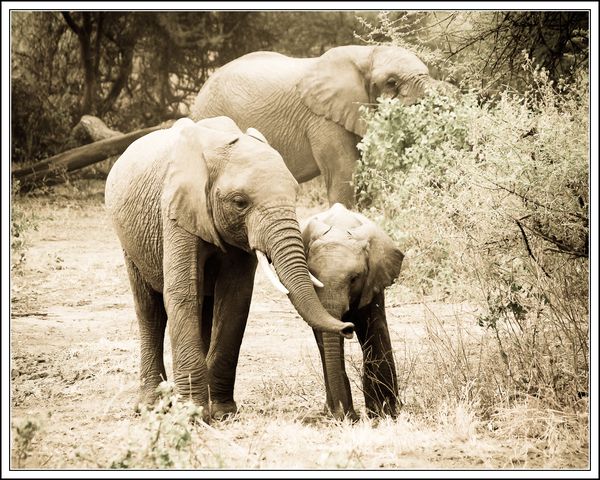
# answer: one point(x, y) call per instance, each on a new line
point(258, 171)
point(341, 219)
point(332, 256)
point(339, 240)
point(397, 60)
point(249, 150)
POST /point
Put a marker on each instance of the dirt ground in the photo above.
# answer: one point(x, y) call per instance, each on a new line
point(74, 364)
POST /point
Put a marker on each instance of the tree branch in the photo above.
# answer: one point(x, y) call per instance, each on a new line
point(71, 23)
point(529, 251)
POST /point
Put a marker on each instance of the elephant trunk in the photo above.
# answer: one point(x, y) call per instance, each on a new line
point(283, 244)
point(335, 300)
point(339, 397)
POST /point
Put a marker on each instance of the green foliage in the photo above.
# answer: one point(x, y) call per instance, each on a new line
point(490, 204)
point(404, 137)
point(405, 155)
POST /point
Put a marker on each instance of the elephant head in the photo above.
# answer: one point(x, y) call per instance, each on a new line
point(344, 78)
point(231, 188)
point(356, 261)
point(353, 257)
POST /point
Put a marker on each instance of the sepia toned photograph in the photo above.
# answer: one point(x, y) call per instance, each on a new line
point(318, 241)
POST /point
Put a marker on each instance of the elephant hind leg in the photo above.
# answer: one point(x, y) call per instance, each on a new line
point(152, 322)
point(336, 162)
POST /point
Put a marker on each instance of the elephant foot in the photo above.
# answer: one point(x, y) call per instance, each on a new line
point(350, 414)
point(147, 398)
point(221, 411)
point(390, 409)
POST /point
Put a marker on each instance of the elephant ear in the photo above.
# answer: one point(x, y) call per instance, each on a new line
point(334, 86)
point(384, 259)
point(187, 183)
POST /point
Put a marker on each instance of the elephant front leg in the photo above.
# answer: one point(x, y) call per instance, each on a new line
point(182, 283)
point(233, 292)
point(380, 383)
point(337, 386)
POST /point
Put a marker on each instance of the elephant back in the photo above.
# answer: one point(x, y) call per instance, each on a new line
point(139, 162)
point(259, 90)
point(258, 81)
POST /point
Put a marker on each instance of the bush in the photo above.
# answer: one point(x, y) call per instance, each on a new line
point(490, 203)
point(21, 221)
point(402, 178)
point(40, 123)
point(174, 436)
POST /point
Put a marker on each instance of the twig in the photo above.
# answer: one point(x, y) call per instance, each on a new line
point(529, 251)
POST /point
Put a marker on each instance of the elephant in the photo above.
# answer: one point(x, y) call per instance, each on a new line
point(196, 207)
point(356, 261)
point(308, 108)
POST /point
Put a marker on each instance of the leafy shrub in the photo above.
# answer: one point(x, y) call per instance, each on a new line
point(173, 436)
point(490, 203)
point(21, 220)
point(402, 175)
point(40, 123)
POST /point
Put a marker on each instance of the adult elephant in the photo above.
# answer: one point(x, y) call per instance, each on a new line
point(308, 108)
point(356, 261)
point(192, 205)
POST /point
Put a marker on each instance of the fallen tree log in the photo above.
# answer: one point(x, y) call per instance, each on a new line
point(92, 129)
point(52, 170)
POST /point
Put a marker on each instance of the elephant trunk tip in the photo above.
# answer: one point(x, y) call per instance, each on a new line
point(347, 330)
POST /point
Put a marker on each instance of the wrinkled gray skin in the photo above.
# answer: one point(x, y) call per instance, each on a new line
point(190, 204)
point(308, 108)
point(356, 261)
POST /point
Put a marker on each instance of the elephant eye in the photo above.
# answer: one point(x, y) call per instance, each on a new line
point(240, 202)
point(392, 83)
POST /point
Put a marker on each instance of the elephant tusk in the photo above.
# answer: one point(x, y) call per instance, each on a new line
point(316, 282)
point(271, 275)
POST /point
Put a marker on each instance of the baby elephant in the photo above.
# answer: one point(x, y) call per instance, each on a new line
point(355, 260)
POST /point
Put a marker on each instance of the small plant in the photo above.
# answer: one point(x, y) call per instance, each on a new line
point(172, 438)
point(23, 435)
point(21, 221)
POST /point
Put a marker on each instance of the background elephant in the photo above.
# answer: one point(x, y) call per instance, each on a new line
point(191, 206)
point(308, 108)
point(355, 260)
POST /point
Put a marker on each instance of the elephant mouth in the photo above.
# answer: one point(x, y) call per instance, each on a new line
point(265, 263)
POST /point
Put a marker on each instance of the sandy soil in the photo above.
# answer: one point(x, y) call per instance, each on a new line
point(74, 363)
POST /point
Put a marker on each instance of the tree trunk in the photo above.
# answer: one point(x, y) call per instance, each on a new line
point(89, 62)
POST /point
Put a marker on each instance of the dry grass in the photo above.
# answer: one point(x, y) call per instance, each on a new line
point(74, 367)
